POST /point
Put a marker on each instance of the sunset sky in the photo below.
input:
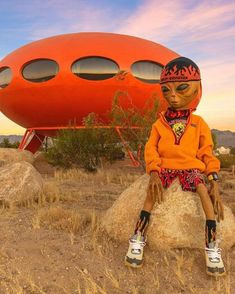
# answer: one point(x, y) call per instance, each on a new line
point(201, 30)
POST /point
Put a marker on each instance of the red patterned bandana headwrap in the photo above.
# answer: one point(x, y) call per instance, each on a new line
point(181, 69)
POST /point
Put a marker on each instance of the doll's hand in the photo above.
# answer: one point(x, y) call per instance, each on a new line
point(216, 200)
point(155, 188)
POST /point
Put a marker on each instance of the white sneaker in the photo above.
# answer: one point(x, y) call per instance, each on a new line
point(214, 262)
point(134, 256)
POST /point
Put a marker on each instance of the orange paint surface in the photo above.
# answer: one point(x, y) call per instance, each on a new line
point(66, 97)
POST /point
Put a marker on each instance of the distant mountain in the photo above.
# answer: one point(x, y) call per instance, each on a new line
point(224, 138)
point(12, 138)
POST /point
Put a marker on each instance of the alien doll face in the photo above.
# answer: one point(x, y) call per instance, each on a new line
point(180, 94)
point(181, 83)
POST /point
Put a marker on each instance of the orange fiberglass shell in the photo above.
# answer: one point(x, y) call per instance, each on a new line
point(68, 97)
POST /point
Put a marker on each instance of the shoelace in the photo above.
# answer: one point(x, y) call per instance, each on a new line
point(137, 245)
point(214, 253)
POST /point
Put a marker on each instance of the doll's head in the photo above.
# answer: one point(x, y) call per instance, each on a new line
point(181, 83)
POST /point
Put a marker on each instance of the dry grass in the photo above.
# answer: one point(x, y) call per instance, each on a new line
point(73, 177)
point(90, 286)
point(112, 278)
point(3, 253)
point(59, 209)
point(63, 219)
point(102, 176)
point(72, 221)
point(19, 283)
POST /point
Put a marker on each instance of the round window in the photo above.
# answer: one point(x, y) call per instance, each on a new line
point(147, 71)
point(42, 70)
point(5, 76)
point(95, 68)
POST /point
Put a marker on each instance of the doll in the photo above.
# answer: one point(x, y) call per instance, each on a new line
point(180, 145)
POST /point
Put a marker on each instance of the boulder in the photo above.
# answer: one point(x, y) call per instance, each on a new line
point(10, 155)
point(20, 184)
point(178, 222)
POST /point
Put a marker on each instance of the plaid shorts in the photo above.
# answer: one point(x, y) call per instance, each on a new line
point(189, 178)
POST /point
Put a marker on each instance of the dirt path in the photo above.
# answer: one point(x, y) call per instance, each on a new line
point(57, 246)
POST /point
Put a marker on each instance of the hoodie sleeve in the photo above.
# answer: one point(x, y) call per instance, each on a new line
point(151, 155)
point(205, 151)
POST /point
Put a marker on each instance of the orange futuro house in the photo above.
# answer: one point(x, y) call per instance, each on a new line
point(48, 83)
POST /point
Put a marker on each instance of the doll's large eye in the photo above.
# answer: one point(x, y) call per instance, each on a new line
point(164, 89)
point(182, 87)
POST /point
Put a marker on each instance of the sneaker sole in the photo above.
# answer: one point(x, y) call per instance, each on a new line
point(133, 265)
point(216, 273)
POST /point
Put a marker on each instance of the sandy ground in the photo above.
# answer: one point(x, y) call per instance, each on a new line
point(57, 246)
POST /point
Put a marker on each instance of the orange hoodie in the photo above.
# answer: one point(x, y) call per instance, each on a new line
point(194, 149)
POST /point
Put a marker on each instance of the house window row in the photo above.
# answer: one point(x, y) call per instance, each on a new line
point(89, 68)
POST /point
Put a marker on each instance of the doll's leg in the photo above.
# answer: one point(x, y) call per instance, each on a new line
point(143, 221)
point(207, 206)
point(149, 202)
point(214, 261)
point(134, 256)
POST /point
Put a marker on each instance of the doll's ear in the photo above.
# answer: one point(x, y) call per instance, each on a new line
point(193, 104)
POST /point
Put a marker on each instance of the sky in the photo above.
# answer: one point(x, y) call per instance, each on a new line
point(202, 30)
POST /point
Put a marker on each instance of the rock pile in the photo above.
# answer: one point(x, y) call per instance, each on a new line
point(10, 155)
point(20, 181)
point(178, 222)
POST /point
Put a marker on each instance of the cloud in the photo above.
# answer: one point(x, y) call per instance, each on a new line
point(167, 20)
point(59, 17)
point(202, 30)
point(218, 72)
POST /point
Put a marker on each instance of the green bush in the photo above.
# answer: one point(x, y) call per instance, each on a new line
point(232, 151)
point(215, 142)
point(135, 123)
point(226, 160)
point(86, 147)
point(7, 144)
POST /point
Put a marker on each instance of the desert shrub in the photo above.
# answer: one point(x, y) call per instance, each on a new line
point(232, 151)
point(85, 147)
point(135, 123)
point(214, 139)
point(7, 144)
point(226, 160)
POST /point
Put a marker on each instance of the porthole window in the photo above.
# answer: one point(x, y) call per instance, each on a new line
point(147, 71)
point(40, 70)
point(5, 76)
point(95, 68)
